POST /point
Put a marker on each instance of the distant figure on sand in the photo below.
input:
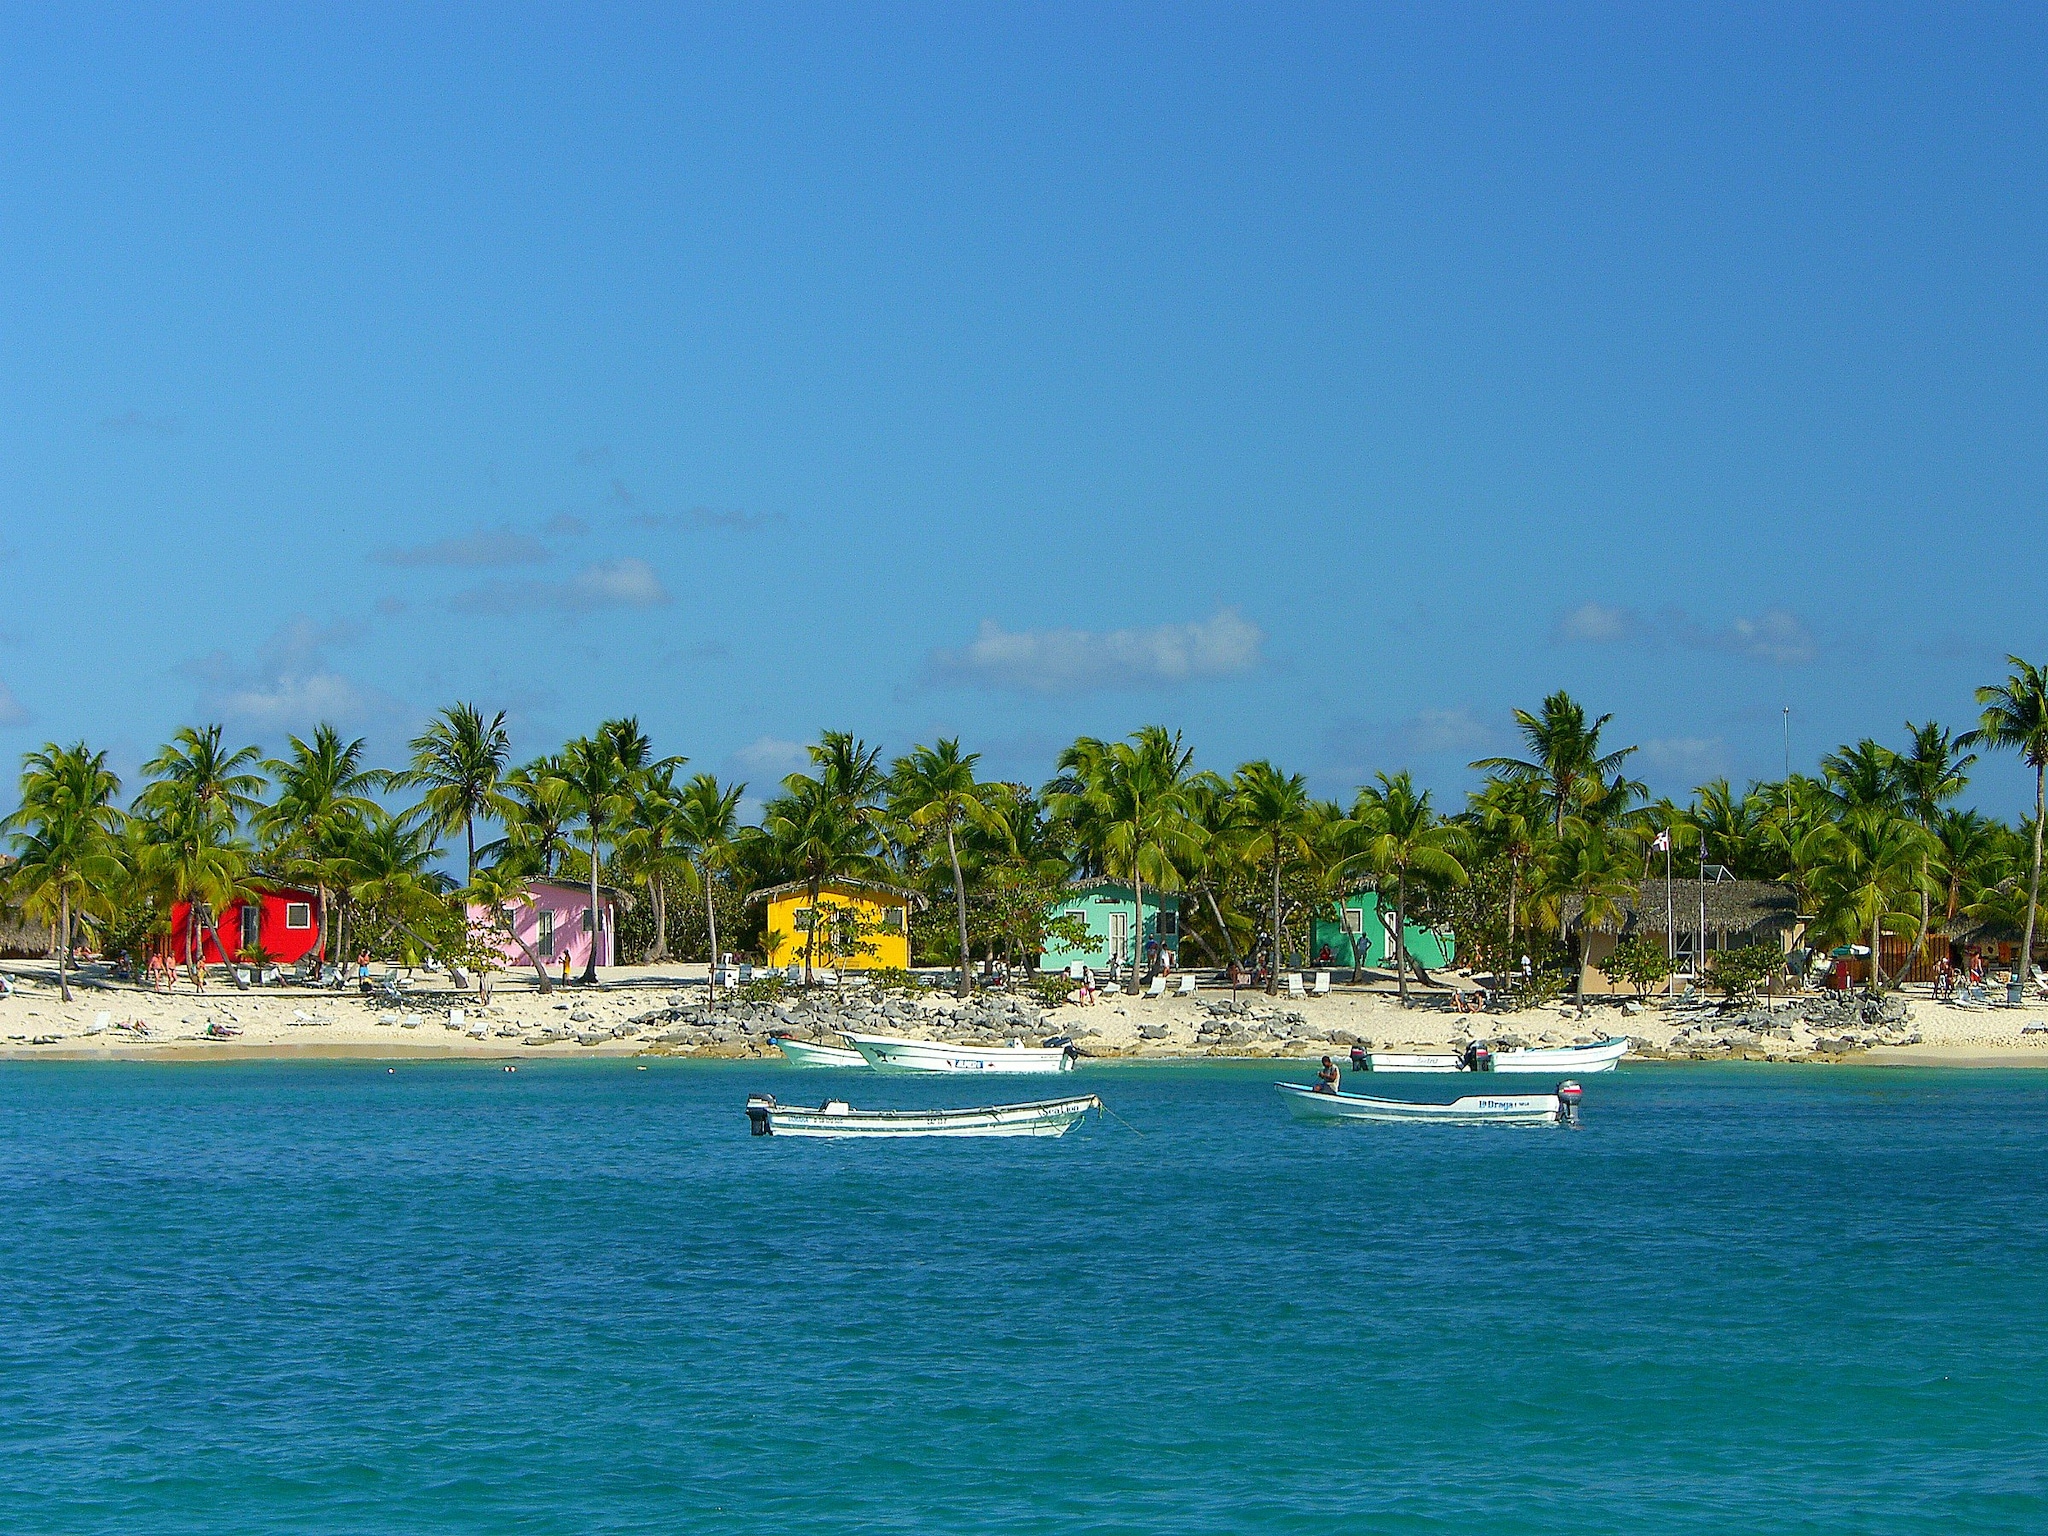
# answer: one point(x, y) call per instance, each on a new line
point(1326, 1080)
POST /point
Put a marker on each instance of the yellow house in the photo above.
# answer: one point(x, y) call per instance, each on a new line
point(863, 925)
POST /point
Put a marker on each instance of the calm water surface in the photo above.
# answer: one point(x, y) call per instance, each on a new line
point(579, 1298)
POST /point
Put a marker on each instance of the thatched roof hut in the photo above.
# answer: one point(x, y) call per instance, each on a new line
point(1738, 911)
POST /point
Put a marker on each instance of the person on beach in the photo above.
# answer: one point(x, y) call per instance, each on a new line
point(1326, 1079)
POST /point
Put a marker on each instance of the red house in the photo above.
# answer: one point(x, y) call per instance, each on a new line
point(283, 923)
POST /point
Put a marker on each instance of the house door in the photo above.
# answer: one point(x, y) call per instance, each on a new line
point(252, 926)
point(547, 935)
point(1119, 936)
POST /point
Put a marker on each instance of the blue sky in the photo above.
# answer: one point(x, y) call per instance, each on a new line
point(1326, 384)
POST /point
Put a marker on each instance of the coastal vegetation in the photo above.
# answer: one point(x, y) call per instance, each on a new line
point(1873, 848)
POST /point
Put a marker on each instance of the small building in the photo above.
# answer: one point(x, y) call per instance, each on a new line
point(1357, 925)
point(1737, 913)
point(280, 922)
point(554, 920)
point(862, 925)
point(1104, 905)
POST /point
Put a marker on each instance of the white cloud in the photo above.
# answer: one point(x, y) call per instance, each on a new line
point(769, 754)
point(11, 712)
point(625, 583)
point(1776, 635)
point(1077, 660)
point(483, 549)
point(1598, 624)
point(1692, 757)
point(291, 685)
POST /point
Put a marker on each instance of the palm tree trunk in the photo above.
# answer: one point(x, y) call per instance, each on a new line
point(64, 949)
point(469, 832)
point(1273, 977)
point(590, 969)
point(711, 924)
point(659, 949)
point(1401, 936)
point(811, 938)
point(1514, 884)
point(1137, 922)
point(960, 904)
point(1229, 941)
point(2026, 959)
point(1876, 938)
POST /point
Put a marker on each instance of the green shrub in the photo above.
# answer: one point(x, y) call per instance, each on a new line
point(1050, 990)
point(1739, 972)
point(891, 978)
point(1639, 962)
point(762, 989)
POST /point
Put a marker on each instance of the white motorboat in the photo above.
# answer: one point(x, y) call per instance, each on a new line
point(901, 1055)
point(1600, 1056)
point(813, 1053)
point(1559, 1108)
point(837, 1118)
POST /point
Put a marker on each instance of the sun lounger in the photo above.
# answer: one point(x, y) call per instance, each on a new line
point(1322, 986)
point(1187, 986)
point(1294, 986)
point(1158, 987)
point(242, 978)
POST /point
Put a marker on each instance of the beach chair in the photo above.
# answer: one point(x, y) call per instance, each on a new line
point(1322, 986)
point(1294, 986)
point(1187, 986)
point(1158, 987)
point(1074, 971)
point(241, 978)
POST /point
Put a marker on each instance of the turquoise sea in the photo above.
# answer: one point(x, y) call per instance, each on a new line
point(580, 1298)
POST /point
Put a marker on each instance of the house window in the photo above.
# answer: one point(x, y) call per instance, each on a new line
point(1354, 921)
point(252, 926)
point(298, 914)
point(547, 935)
point(1167, 925)
point(892, 918)
point(585, 920)
point(803, 919)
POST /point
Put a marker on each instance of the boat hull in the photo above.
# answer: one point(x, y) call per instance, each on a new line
point(837, 1120)
point(809, 1053)
point(1601, 1056)
point(1471, 1109)
point(897, 1055)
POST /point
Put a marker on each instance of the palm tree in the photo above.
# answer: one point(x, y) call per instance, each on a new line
point(1929, 773)
point(322, 792)
point(1217, 837)
point(393, 873)
point(502, 891)
point(541, 806)
point(197, 771)
point(459, 760)
point(1276, 810)
point(1128, 803)
point(651, 845)
point(66, 840)
point(1873, 869)
point(1589, 872)
point(1403, 837)
point(707, 821)
point(1965, 843)
point(933, 792)
point(820, 833)
point(1509, 818)
point(191, 853)
point(1564, 757)
point(601, 784)
point(2016, 718)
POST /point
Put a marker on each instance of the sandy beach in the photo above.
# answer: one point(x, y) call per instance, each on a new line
point(632, 1008)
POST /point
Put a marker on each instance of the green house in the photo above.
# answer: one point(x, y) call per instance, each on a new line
point(1358, 922)
point(1105, 906)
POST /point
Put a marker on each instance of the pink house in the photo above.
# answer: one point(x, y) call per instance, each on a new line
point(554, 920)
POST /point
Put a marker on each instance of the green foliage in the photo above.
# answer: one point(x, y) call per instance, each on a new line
point(1638, 961)
point(891, 978)
point(762, 989)
point(1739, 972)
point(1050, 991)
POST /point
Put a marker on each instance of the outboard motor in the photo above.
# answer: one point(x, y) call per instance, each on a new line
point(758, 1105)
point(1360, 1062)
point(1478, 1057)
point(1568, 1095)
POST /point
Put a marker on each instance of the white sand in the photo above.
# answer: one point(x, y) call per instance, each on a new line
point(289, 1021)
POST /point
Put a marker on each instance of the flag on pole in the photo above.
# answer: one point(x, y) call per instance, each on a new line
point(1663, 843)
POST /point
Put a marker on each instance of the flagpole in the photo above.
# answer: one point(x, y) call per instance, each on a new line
point(1670, 937)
